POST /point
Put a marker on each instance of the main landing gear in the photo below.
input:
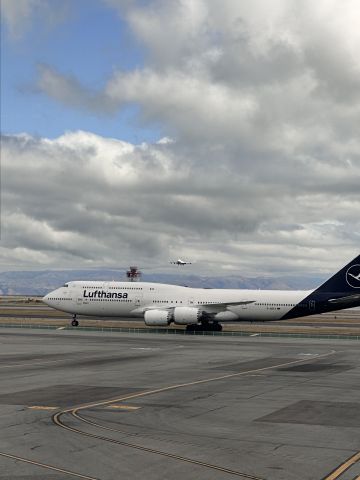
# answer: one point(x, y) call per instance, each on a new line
point(204, 326)
point(74, 322)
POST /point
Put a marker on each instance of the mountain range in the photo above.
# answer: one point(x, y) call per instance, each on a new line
point(42, 281)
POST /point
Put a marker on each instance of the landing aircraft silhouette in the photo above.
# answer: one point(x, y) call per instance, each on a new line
point(180, 262)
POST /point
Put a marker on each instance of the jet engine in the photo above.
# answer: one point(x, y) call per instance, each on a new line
point(157, 318)
point(186, 315)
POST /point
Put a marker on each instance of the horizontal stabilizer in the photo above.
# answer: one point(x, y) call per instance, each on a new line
point(347, 299)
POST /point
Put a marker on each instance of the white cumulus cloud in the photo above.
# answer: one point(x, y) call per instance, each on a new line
point(261, 101)
point(85, 200)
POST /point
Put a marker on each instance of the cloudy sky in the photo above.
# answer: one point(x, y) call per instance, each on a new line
point(224, 132)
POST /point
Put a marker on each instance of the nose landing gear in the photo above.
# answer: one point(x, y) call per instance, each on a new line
point(74, 322)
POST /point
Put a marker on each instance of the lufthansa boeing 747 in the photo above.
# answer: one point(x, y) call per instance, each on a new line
point(204, 309)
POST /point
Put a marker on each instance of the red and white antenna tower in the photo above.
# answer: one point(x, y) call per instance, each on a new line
point(133, 274)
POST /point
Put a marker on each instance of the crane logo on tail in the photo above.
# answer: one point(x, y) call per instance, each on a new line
point(353, 276)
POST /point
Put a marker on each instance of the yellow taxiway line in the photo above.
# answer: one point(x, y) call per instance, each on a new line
point(49, 467)
point(189, 384)
point(124, 407)
point(42, 407)
point(74, 410)
point(343, 467)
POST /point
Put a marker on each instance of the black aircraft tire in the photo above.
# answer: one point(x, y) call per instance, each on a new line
point(204, 327)
point(191, 328)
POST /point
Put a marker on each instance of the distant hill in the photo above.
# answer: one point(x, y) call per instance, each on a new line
point(41, 282)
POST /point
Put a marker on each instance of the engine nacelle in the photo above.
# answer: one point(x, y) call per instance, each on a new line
point(186, 315)
point(157, 318)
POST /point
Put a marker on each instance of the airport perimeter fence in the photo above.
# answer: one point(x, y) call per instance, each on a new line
point(174, 331)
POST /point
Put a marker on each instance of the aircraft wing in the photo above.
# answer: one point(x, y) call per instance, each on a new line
point(210, 306)
point(217, 307)
point(228, 304)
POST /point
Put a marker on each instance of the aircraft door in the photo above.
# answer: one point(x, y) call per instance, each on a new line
point(312, 304)
point(72, 293)
point(137, 299)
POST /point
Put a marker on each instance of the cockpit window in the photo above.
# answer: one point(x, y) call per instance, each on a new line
point(65, 285)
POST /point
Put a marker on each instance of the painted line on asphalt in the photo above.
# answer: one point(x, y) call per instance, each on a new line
point(49, 467)
point(188, 384)
point(344, 467)
point(42, 407)
point(123, 407)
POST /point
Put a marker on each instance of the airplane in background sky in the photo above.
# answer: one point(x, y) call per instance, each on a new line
point(202, 308)
point(180, 262)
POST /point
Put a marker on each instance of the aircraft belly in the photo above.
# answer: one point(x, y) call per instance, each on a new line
point(226, 317)
point(89, 310)
point(66, 309)
point(257, 314)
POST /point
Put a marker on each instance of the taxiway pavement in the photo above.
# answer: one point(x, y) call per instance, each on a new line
point(138, 406)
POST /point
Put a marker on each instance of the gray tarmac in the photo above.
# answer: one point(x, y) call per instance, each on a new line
point(164, 407)
point(294, 323)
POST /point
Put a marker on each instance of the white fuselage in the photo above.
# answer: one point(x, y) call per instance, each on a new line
point(132, 299)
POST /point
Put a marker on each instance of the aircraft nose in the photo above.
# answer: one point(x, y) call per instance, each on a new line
point(46, 299)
